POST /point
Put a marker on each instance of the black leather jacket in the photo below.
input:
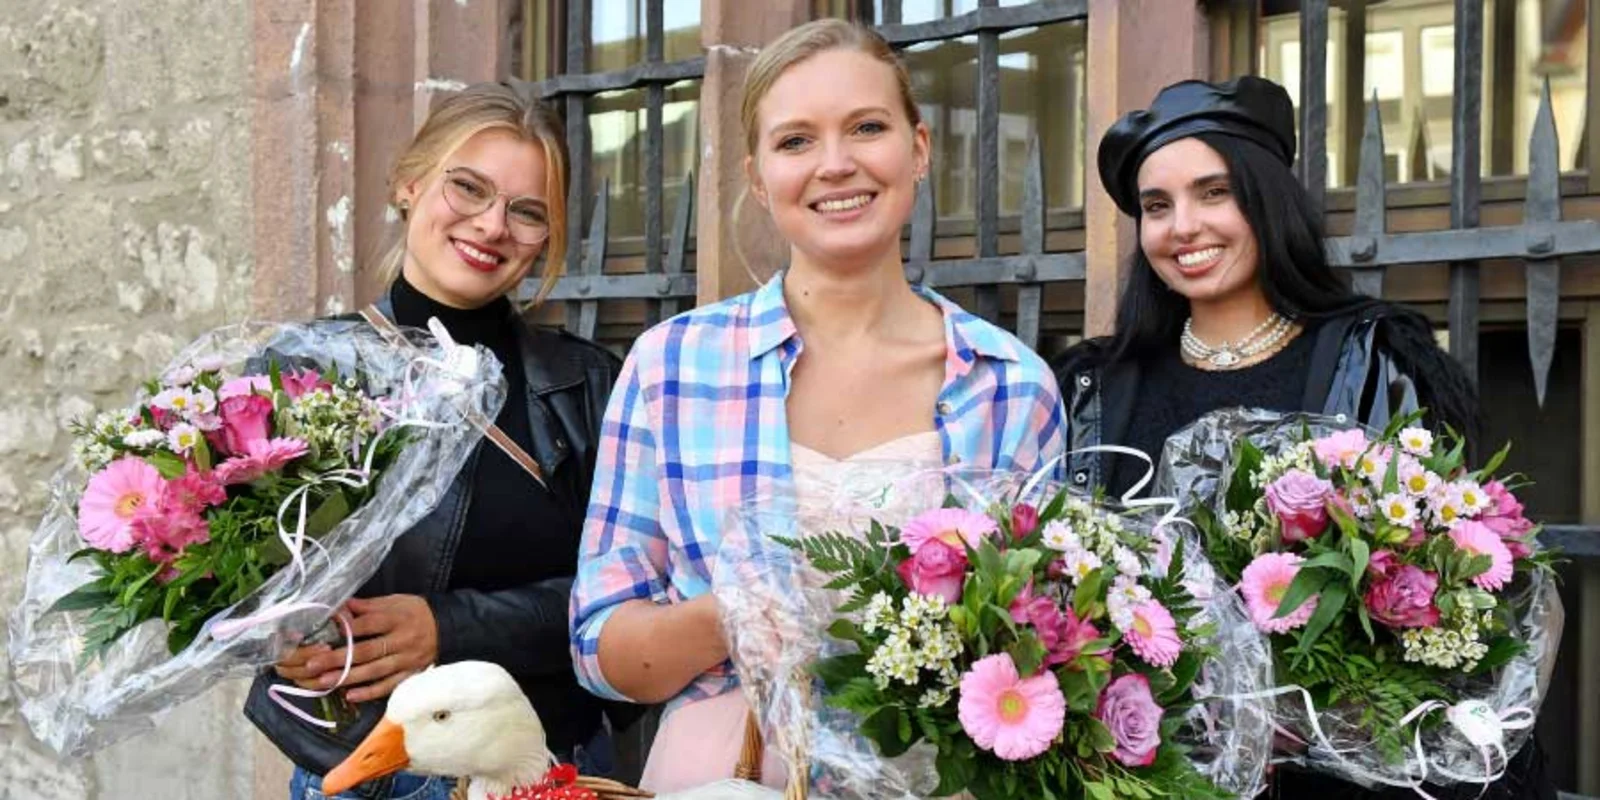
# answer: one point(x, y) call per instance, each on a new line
point(523, 629)
point(1352, 373)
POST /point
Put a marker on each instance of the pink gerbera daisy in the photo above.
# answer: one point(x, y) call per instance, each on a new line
point(112, 502)
point(260, 457)
point(953, 526)
point(1480, 540)
point(1015, 718)
point(1264, 583)
point(1153, 634)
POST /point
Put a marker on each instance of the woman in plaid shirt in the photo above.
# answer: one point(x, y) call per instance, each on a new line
point(837, 356)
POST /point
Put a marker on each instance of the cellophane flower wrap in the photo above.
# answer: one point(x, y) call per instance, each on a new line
point(1413, 616)
point(993, 635)
point(267, 469)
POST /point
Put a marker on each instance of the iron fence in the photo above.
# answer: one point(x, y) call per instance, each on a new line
point(1369, 253)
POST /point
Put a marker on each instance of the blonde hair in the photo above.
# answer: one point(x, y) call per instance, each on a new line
point(806, 41)
point(457, 118)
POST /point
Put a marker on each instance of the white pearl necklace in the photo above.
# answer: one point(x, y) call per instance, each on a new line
point(1228, 355)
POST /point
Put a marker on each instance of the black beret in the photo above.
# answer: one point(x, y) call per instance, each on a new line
point(1248, 107)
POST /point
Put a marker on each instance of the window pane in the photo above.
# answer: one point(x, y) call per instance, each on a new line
point(1041, 93)
point(910, 11)
point(1410, 62)
point(617, 139)
point(617, 29)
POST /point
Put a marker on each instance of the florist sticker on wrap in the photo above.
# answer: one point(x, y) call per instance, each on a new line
point(251, 488)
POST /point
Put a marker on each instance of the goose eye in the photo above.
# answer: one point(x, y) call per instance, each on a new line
point(441, 716)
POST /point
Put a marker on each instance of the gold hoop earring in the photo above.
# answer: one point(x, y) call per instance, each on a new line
point(404, 210)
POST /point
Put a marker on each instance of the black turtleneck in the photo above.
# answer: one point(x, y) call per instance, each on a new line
point(516, 533)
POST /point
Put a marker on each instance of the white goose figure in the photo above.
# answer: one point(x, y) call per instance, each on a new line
point(471, 720)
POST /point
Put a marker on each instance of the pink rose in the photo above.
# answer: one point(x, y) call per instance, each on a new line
point(1128, 709)
point(1340, 449)
point(1024, 520)
point(1300, 501)
point(296, 384)
point(1382, 564)
point(246, 418)
point(1504, 517)
point(1404, 598)
point(249, 384)
point(937, 569)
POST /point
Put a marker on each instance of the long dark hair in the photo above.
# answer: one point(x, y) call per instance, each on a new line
point(1297, 281)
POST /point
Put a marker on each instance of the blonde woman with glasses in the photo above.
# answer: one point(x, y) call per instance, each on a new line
point(481, 193)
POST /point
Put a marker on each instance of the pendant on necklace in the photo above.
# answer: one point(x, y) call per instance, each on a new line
point(1224, 358)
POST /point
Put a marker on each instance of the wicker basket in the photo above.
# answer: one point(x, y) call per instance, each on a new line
point(750, 756)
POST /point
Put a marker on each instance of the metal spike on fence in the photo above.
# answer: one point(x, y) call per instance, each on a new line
point(678, 247)
point(594, 260)
point(1371, 193)
point(1540, 210)
point(1030, 296)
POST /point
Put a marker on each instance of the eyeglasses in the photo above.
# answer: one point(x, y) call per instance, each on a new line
point(470, 194)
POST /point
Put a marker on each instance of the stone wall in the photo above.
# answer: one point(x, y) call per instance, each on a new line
point(125, 229)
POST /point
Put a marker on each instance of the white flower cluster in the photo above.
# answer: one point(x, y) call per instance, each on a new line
point(1126, 594)
point(921, 639)
point(1452, 647)
point(92, 448)
point(1301, 456)
point(1084, 526)
point(335, 420)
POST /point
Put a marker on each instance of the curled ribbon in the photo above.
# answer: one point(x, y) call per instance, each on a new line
point(460, 365)
point(1466, 717)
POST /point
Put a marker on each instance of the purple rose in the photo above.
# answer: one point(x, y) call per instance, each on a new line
point(1300, 501)
point(1128, 709)
point(937, 569)
point(1024, 520)
point(1404, 598)
point(1504, 517)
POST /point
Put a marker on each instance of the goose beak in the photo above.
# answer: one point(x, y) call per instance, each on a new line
point(383, 752)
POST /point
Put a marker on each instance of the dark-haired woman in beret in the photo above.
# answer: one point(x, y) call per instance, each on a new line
point(1230, 301)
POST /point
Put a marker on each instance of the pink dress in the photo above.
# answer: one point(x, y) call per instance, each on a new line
point(698, 742)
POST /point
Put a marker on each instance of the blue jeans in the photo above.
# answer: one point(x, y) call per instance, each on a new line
point(400, 786)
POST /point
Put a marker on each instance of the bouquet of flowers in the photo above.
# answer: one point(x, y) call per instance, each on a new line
point(1400, 589)
point(1000, 648)
point(246, 492)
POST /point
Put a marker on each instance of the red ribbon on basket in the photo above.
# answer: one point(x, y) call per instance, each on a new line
point(557, 784)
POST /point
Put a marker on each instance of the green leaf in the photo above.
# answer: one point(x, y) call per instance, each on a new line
point(86, 597)
point(1099, 735)
point(846, 631)
point(1329, 606)
point(168, 464)
point(332, 511)
point(1241, 495)
point(1027, 652)
point(1079, 690)
point(1306, 583)
point(1098, 791)
point(1087, 595)
point(1360, 556)
point(1331, 559)
point(1486, 473)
